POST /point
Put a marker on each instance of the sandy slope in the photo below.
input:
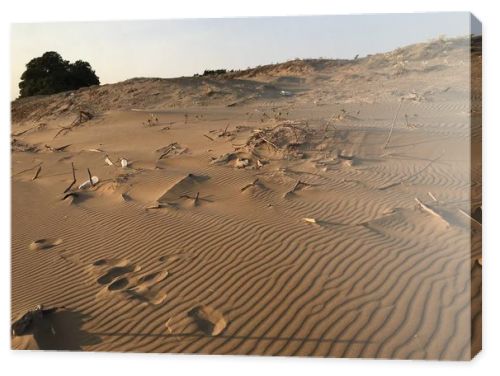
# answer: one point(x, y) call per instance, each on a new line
point(189, 253)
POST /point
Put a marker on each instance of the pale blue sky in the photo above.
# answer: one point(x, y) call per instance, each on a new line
point(119, 50)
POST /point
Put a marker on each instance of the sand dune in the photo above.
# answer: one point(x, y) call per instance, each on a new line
point(384, 266)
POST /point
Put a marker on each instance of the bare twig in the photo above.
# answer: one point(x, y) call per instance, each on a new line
point(90, 177)
point(210, 138)
point(269, 142)
point(432, 196)
point(74, 179)
point(60, 148)
point(167, 150)
point(411, 176)
point(252, 184)
point(471, 218)
point(431, 211)
point(393, 123)
point(62, 129)
point(28, 169)
point(37, 172)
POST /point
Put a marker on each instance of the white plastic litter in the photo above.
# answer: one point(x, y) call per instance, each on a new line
point(124, 162)
point(86, 184)
point(108, 161)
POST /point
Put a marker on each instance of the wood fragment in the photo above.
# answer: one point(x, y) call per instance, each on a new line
point(210, 138)
point(60, 148)
point(269, 142)
point(470, 217)
point(432, 196)
point(296, 186)
point(37, 172)
point(74, 179)
point(62, 129)
point(28, 169)
point(90, 177)
point(252, 184)
point(309, 220)
point(167, 149)
point(390, 185)
point(393, 123)
point(431, 211)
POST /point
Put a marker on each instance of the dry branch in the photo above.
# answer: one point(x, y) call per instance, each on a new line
point(412, 175)
point(28, 169)
point(393, 123)
point(252, 184)
point(431, 211)
point(90, 177)
point(470, 217)
point(210, 138)
point(74, 179)
point(37, 172)
point(53, 149)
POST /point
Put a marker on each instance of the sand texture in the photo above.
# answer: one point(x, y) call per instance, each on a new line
point(223, 217)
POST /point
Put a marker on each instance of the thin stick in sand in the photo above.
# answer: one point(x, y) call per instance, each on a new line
point(393, 123)
point(28, 169)
point(431, 211)
point(90, 177)
point(432, 196)
point(470, 217)
point(413, 175)
point(210, 138)
point(252, 184)
point(37, 172)
point(74, 178)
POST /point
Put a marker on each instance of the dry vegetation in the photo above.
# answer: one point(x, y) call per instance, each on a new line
point(302, 208)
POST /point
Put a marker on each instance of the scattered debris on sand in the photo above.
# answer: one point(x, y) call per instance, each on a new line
point(26, 322)
point(21, 146)
point(40, 244)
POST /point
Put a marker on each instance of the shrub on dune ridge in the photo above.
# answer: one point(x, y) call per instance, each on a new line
point(50, 74)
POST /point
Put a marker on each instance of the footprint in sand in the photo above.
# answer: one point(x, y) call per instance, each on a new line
point(122, 277)
point(114, 272)
point(208, 319)
point(118, 284)
point(142, 288)
point(204, 318)
point(40, 244)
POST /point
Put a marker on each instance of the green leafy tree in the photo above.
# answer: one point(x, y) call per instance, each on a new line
point(50, 74)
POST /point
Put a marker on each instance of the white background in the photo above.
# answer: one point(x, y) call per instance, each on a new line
point(58, 363)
